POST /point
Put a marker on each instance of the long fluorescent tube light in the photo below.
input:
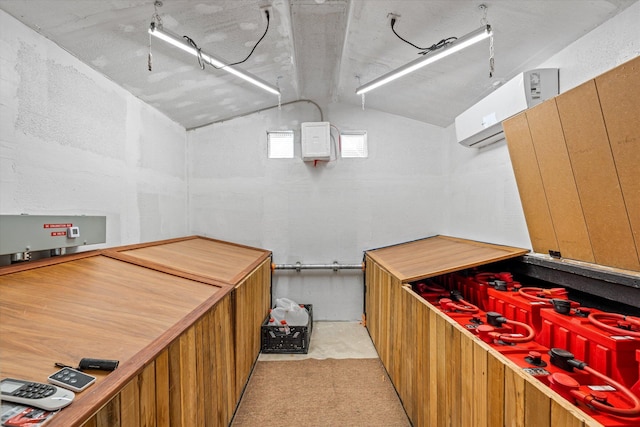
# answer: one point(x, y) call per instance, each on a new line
point(464, 41)
point(181, 43)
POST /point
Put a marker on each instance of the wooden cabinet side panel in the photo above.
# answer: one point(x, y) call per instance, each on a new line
point(495, 391)
point(162, 389)
point(467, 389)
point(530, 185)
point(559, 183)
point(190, 383)
point(147, 393)
point(130, 404)
point(454, 355)
point(252, 298)
point(596, 177)
point(223, 356)
point(619, 94)
point(108, 416)
point(537, 408)
point(378, 309)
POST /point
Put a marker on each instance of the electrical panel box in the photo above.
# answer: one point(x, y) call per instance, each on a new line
point(315, 141)
point(31, 233)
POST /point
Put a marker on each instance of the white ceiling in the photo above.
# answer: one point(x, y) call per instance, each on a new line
point(314, 49)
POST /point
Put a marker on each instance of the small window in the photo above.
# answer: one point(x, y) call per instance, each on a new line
point(354, 144)
point(280, 144)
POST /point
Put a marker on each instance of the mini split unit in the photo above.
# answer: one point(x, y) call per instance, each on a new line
point(481, 124)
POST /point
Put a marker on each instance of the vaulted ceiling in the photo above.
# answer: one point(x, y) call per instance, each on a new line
point(320, 50)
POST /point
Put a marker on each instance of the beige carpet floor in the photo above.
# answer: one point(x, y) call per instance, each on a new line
point(327, 393)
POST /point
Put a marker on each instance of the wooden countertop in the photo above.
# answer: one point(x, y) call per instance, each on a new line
point(196, 256)
point(93, 306)
point(438, 255)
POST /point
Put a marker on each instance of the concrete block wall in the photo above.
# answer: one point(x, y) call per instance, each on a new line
point(72, 142)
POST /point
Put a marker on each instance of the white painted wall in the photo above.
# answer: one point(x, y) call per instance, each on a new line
point(484, 203)
point(72, 142)
point(331, 212)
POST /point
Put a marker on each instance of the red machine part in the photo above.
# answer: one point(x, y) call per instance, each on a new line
point(631, 325)
point(542, 294)
point(502, 334)
point(612, 404)
point(610, 350)
point(516, 307)
point(457, 303)
point(430, 291)
point(537, 364)
point(488, 333)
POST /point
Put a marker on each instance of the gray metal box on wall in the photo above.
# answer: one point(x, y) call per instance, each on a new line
point(32, 233)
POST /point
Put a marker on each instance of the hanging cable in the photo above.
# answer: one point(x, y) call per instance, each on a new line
point(156, 21)
point(198, 50)
point(250, 53)
point(201, 62)
point(442, 43)
point(257, 43)
point(484, 21)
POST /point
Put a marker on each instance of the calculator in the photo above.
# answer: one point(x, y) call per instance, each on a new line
point(44, 396)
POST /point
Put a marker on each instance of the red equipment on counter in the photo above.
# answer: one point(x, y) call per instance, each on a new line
point(607, 401)
point(505, 335)
point(606, 386)
point(538, 364)
point(430, 291)
point(588, 333)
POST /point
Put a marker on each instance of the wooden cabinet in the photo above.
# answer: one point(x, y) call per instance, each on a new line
point(575, 160)
point(530, 185)
point(247, 270)
point(442, 373)
point(596, 177)
point(619, 95)
point(181, 316)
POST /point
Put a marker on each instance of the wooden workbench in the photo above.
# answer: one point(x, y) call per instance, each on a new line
point(173, 331)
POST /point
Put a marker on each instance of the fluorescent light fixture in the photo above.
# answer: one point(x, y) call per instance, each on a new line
point(464, 41)
point(181, 43)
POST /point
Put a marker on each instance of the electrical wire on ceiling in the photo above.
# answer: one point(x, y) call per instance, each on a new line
point(201, 63)
point(425, 50)
point(187, 44)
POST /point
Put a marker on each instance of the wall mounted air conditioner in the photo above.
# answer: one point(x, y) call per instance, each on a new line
point(481, 124)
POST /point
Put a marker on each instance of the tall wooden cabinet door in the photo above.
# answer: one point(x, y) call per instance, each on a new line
point(559, 184)
point(619, 93)
point(530, 186)
point(596, 177)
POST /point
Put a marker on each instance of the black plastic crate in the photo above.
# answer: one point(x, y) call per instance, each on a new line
point(275, 339)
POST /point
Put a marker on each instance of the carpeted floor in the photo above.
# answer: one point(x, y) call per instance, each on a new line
point(327, 393)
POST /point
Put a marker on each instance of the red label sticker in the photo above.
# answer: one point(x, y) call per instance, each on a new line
point(58, 233)
point(57, 225)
